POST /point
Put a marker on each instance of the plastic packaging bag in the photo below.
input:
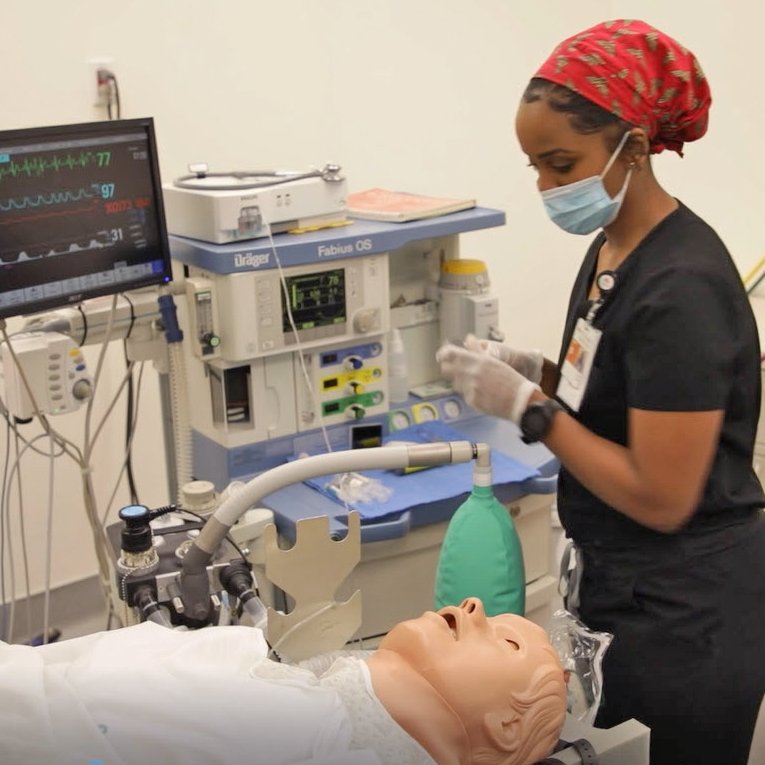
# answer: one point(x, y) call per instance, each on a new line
point(581, 652)
point(356, 487)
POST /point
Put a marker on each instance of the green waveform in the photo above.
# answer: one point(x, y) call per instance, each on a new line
point(36, 166)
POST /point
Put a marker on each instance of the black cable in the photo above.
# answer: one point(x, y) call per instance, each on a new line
point(132, 315)
point(84, 325)
point(130, 408)
point(129, 429)
point(113, 98)
point(117, 98)
point(164, 510)
point(751, 289)
point(204, 520)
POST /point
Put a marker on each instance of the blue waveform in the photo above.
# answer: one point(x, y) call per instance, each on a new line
point(45, 200)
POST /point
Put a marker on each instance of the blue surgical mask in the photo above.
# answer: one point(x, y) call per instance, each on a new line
point(584, 206)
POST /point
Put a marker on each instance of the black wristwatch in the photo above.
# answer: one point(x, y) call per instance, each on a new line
point(537, 419)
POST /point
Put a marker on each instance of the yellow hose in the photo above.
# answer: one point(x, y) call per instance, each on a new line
point(752, 273)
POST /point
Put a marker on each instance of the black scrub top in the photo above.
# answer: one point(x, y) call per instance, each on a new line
point(678, 335)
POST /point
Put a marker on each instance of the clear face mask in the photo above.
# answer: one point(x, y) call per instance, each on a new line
point(585, 206)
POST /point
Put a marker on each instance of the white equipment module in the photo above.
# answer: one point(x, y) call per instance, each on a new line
point(230, 207)
point(55, 370)
point(261, 398)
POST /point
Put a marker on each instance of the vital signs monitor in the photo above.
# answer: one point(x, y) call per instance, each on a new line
point(81, 214)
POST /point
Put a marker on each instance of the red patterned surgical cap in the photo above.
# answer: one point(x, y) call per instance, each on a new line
point(639, 74)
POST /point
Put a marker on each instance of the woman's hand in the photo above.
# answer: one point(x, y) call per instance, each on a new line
point(486, 383)
point(528, 363)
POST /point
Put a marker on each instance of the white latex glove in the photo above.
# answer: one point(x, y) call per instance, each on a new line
point(528, 363)
point(485, 382)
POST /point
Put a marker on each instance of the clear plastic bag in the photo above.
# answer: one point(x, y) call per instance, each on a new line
point(356, 487)
point(581, 652)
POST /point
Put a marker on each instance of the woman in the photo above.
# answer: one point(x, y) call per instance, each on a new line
point(654, 402)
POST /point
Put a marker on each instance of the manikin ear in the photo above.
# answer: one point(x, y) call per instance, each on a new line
point(503, 730)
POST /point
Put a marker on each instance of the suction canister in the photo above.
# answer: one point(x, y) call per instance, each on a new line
point(466, 307)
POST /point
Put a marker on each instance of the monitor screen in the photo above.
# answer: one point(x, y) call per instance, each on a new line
point(316, 299)
point(81, 214)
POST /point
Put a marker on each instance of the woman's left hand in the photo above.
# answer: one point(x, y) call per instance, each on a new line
point(486, 383)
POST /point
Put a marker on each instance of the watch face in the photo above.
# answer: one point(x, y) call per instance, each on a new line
point(534, 422)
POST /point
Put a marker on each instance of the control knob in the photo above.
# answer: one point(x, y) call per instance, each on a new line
point(82, 390)
point(355, 412)
point(365, 320)
point(210, 340)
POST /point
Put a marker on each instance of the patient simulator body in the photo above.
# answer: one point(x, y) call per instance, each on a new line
point(453, 687)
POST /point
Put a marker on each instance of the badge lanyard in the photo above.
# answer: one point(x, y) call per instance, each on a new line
point(577, 365)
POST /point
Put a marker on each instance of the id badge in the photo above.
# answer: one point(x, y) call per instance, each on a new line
point(577, 365)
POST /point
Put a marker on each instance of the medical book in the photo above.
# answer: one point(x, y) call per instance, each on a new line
point(401, 206)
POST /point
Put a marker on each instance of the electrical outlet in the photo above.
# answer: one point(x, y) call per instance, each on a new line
point(96, 67)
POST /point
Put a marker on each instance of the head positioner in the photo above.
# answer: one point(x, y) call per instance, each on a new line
point(639, 74)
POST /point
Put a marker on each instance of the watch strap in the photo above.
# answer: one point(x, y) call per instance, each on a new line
point(547, 408)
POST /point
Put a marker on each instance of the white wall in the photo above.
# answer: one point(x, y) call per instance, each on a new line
point(719, 177)
point(418, 95)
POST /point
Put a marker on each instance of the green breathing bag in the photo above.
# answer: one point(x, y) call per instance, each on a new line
point(481, 557)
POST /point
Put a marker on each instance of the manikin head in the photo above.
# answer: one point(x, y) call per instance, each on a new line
point(496, 680)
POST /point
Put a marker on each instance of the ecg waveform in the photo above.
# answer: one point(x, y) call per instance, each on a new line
point(39, 165)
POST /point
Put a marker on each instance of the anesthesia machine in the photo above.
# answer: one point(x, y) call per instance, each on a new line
point(301, 344)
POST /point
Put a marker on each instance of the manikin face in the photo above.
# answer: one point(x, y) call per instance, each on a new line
point(474, 662)
point(559, 154)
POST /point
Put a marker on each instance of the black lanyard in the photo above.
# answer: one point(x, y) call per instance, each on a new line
point(605, 281)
